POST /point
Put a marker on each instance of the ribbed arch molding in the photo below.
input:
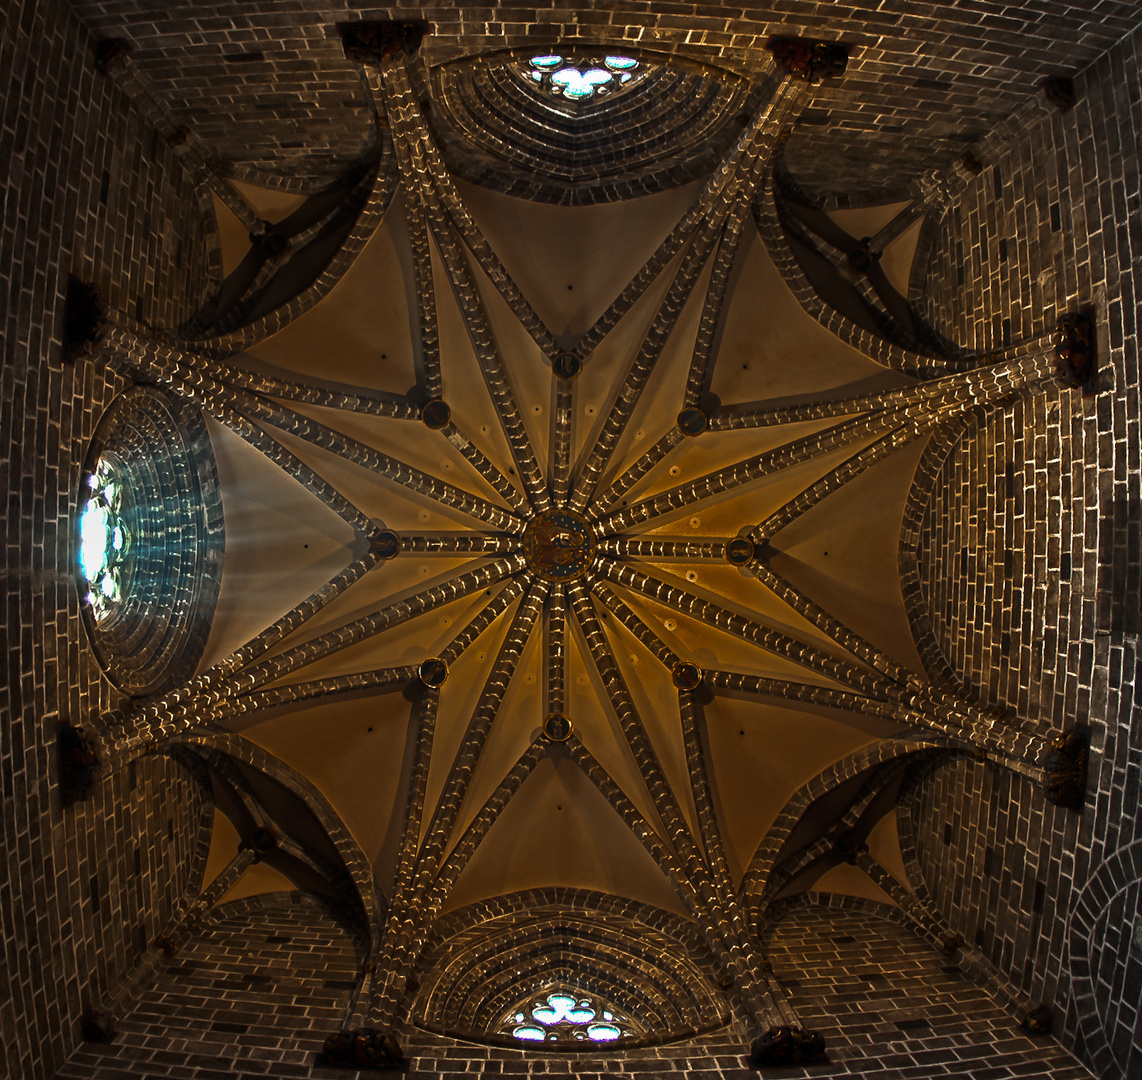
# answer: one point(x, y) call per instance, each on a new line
point(671, 128)
point(489, 960)
point(157, 453)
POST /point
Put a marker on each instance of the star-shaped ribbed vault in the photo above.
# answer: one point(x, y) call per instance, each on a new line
point(562, 549)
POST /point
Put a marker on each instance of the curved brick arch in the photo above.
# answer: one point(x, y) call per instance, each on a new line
point(916, 601)
point(670, 129)
point(295, 901)
point(1120, 872)
point(834, 902)
point(604, 903)
point(482, 961)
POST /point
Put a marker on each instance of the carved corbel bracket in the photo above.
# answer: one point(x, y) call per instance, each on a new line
point(786, 1046)
point(1076, 358)
point(364, 1049)
point(371, 42)
point(810, 60)
point(1064, 768)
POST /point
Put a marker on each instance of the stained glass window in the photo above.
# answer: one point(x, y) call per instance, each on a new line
point(566, 1016)
point(104, 540)
point(581, 78)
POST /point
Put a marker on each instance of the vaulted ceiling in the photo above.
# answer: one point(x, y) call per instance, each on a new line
point(575, 520)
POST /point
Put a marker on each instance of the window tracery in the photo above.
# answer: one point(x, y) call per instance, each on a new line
point(582, 78)
point(104, 540)
point(566, 1016)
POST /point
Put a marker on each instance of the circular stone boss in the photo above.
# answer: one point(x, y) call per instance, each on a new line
point(558, 545)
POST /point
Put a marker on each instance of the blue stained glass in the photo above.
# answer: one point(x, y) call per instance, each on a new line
point(620, 63)
point(103, 541)
point(580, 84)
point(560, 1017)
point(546, 62)
point(95, 538)
point(562, 1009)
point(603, 1032)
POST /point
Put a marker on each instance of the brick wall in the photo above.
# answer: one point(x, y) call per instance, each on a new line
point(260, 986)
point(1001, 860)
point(1031, 556)
point(259, 989)
point(266, 83)
point(890, 1006)
point(89, 190)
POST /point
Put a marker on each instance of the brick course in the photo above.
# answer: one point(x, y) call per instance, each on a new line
point(88, 190)
point(1030, 556)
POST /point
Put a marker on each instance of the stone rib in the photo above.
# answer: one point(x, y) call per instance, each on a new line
point(484, 618)
point(472, 745)
point(742, 171)
point(666, 656)
point(746, 471)
point(483, 465)
point(645, 463)
point(555, 651)
point(367, 626)
point(562, 427)
point(436, 172)
point(710, 614)
point(459, 543)
point(662, 549)
point(781, 104)
point(403, 116)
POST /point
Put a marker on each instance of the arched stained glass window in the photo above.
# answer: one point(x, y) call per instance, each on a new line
point(567, 1016)
point(104, 540)
point(578, 78)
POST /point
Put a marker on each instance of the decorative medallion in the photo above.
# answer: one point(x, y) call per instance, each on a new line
point(558, 545)
point(436, 414)
point(557, 727)
point(567, 365)
point(686, 676)
point(739, 551)
point(433, 671)
point(387, 544)
point(692, 421)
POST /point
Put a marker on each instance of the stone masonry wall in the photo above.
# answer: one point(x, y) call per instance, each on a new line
point(1032, 553)
point(1001, 859)
point(888, 1005)
point(259, 988)
point(256, 993)
point(265, 82)
point(89, 189)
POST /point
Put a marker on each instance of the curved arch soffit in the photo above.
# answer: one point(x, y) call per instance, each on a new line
point(356, 864)
point(848, 768)
point(875, 346)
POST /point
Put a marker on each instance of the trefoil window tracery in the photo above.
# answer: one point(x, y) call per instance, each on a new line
point(582, 78)
point(562, 1016)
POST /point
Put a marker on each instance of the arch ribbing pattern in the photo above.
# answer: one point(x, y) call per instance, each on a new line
point(671, 129)
point(642, 961)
